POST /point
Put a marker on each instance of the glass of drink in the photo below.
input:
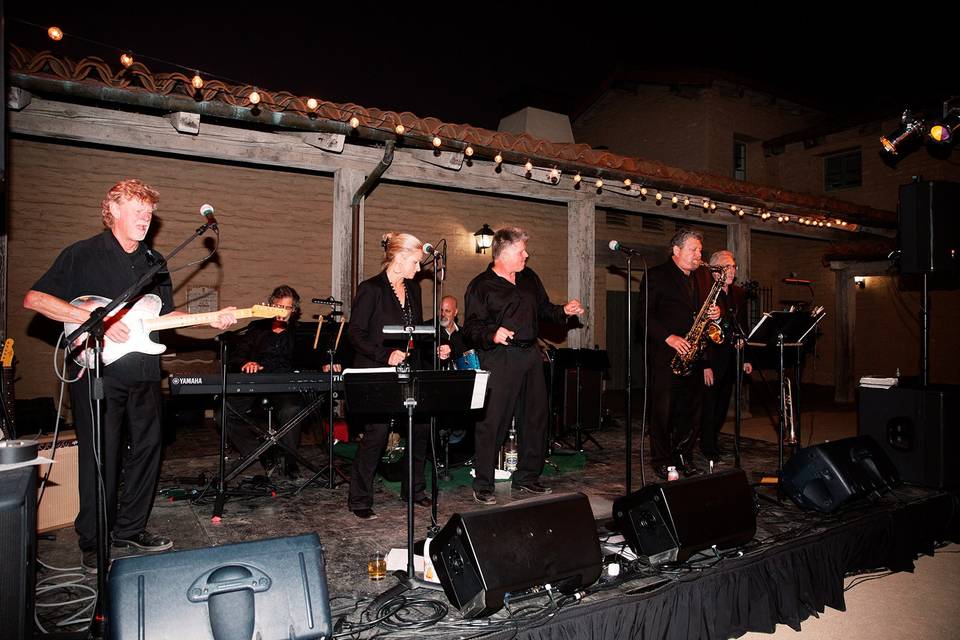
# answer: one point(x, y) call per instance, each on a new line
point(377, 566)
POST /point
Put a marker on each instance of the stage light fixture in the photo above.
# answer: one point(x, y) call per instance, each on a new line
point(946, 130)
point(912, 127)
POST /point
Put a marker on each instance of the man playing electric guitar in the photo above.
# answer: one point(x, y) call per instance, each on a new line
point(106, 265)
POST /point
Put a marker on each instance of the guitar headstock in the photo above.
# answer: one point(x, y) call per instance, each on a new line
point(268, 311)
point(6, 358)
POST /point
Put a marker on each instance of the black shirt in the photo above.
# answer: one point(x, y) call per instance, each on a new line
point(99, 266)
point(261, 344)
point(673, 301)
point(492, 302)
point(374, 307)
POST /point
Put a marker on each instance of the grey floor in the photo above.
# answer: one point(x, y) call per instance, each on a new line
point(348, 541)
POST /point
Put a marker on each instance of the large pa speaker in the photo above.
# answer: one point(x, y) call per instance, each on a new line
point(929, 227)
point(482, 555)
point(826, 476)
point(670, 521)
point(18, 539)
point(267, 589)
point(917, 429)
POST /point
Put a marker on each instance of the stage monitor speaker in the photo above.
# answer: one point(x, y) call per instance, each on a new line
point(269, 589)
point(670, 521)
point(18, 539)
point(481, 556)
point(61, 496)
point(929, 227)
point(916, 428)
point(826, 476)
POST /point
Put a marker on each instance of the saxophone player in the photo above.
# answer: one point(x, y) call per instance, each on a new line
point(673, 298)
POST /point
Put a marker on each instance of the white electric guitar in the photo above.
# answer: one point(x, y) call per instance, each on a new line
point(141, 318)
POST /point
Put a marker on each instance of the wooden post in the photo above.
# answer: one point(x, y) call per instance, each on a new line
point(844, 325)
point(581, 258)
point(345, 184)
point(738, 242)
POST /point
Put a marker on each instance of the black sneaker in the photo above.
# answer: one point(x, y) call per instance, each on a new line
point(365, 514)
point(532, 487)
point(144, 541)
point(88, 560)
point(484, 496)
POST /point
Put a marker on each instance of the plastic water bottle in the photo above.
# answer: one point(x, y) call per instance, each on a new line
point(672, 474)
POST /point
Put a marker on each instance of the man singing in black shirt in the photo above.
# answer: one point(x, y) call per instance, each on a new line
point(673, 299)
point(267, 345)
point(504, 305)
point(106, 265)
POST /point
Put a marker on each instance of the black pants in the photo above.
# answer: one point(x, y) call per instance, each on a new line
point(375, 435)
point(675, 405)
point(131, 410)
point(716, 403)
point(516, 389)
point(250, 408)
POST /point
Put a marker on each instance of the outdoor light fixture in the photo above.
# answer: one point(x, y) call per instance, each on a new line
point(860, 281)
point(912, 128)
point(484, 238)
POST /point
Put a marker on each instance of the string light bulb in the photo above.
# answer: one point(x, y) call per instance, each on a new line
point(498, 159)
point(706, 204)
point(659, 196)
point(437, 141)
point(675, 199)
point(55, 33)
point(713, 206)
point(468, 151)
point(577, 178)
point(312, 104)
point(555, 174)
point(686, 201)
point(627, 182)
point(528, 166)
point(599, 183)
point(197, 81)
point(643, 191)
point(126, 60)
point(355, 122)
point(254, 97)
point(399, 129)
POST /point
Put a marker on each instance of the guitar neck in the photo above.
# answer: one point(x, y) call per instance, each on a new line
point(189, 320)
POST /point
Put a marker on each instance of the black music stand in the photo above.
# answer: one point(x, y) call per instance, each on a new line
point(389, 390)
point(580, 360)
point(776, 331)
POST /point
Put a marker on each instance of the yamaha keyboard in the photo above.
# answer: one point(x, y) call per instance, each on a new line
point(266, 383)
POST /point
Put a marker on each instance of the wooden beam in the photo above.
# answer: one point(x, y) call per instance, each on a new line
point(581, 258)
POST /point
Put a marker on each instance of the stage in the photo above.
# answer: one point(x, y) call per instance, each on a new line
point(793, 569)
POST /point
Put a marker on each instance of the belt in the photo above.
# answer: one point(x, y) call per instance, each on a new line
point(522, 344)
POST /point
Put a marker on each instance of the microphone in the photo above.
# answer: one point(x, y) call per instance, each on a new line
point(616, 246)
point(206, 210)
point(798, 281)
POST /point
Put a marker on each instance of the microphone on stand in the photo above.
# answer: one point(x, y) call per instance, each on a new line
point(616, 246)
point(206, 210)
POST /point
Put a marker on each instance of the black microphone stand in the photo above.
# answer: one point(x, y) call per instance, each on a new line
point(95, 327)
point(439, 266)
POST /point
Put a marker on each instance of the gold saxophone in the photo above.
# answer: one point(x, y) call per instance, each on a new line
point(682, 364)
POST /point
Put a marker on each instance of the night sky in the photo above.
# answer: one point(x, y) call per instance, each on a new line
point(479, 68)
